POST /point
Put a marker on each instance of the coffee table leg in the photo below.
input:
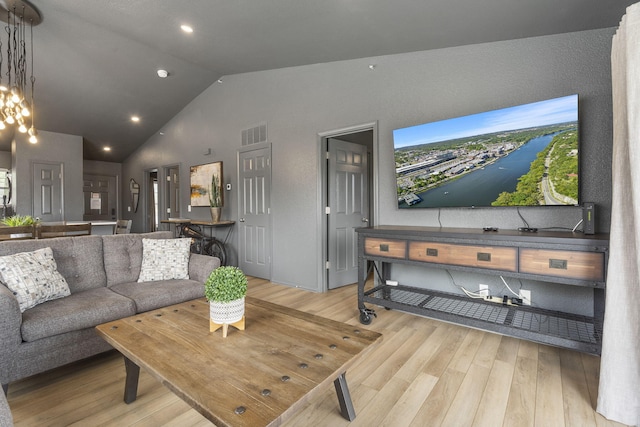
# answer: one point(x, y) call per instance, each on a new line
point(346, 406)
point(131, 383)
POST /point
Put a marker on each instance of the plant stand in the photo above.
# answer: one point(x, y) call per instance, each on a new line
point(213, 326)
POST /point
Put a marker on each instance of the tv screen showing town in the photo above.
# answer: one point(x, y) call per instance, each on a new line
point(525, 155)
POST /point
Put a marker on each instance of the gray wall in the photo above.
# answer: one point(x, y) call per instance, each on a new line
point(5, 159)
point(402, 90)
point(51, 147)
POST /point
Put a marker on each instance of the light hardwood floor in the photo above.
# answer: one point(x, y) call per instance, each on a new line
point(424, 373)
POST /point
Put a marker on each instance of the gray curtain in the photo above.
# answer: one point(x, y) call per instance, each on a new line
point(619, 390)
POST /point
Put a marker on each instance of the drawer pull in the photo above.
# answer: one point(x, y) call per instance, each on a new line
point(560, 264)
point(432, 252)
point(484, 256)
point(384, 247)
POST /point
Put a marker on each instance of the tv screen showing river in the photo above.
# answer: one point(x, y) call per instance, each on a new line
point(525, 155)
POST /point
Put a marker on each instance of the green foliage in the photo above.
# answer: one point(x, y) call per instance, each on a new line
point(563, 173)
point(18, 220)
point(528, 191)
point(225, 284)
point(215, 199)
point(563, 170)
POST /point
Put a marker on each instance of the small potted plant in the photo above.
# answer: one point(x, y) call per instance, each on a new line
point(18, 220)
point(225, 289)
point(215, 199)
point(22, 223)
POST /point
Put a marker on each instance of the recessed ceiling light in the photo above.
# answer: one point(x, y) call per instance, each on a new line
point(186, 28)
point(135, 119)
point(106, 148)
point(162, 73)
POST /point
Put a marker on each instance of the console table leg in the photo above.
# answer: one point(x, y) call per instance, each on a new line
point(131, 383)
point(346, 406)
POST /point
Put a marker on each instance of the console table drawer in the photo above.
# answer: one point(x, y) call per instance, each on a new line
point(498, 258)
point(385, 247)
point(570, 264)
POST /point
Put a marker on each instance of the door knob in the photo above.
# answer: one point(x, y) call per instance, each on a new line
point(365, 219)
point(241, 220)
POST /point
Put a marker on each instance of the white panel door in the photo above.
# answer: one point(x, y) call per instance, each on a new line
point(47, 191)
point(348, 209)
point(254, 194)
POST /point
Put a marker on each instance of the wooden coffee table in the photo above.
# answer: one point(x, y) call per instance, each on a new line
point(257, 377)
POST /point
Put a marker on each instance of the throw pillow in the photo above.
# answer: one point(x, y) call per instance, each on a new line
point(164, 259)
point(33, 277)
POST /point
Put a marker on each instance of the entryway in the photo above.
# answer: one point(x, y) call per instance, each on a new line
point(347, 179)
point(152, 219)
point(100, 197)
point(254, 210)
point(48, 204)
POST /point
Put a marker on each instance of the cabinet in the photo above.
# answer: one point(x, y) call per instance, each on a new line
point(563, 258)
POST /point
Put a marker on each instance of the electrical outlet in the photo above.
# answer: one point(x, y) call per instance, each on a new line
point(526, 296)
point(188, 208)
point(483, 290)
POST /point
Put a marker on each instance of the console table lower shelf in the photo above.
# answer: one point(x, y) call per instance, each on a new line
point(581, 333)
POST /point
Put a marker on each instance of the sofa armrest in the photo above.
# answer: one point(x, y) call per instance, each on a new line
point(10, 336)
point(5, 412)
point(200, 266)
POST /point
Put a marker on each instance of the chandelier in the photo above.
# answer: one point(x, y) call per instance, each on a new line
point(17, 81)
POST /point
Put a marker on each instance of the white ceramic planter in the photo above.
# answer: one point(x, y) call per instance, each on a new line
point(226, 312)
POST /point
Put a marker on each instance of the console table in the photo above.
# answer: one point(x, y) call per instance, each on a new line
point(563, 258)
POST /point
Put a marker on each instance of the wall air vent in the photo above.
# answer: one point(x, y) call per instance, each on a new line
point(255, 134)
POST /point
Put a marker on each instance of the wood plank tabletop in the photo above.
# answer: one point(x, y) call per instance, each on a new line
point(271, 369)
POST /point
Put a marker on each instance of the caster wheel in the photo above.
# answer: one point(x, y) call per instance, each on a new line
point(365, 319)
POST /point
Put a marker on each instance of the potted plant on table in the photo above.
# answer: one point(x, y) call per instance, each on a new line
point(215, 198)
point(225, 289)
point(18, 220)
point(22, 223)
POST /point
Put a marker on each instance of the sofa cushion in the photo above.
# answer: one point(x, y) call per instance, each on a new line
point(79, 259)
point(33, 277)
point(152, 295)
point(164, 259)
point(123, 255)
point(80, 310)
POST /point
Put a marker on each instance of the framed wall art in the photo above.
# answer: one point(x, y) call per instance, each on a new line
point(206, 185)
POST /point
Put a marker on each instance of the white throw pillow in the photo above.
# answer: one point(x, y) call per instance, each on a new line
point(33, 277)
point(164, 259)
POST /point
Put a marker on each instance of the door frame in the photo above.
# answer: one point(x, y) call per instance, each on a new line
point(246, 149)
point(322, 187)
point(163, 187)
point(32, 166)
point(117, 189)
point(146, 190)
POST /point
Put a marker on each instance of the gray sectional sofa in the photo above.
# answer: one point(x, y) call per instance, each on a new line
point(6, 420)
point(102, 274)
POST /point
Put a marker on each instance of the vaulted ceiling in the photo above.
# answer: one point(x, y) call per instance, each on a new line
point(96, 61)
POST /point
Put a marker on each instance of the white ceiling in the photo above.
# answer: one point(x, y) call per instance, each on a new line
point(96, 60)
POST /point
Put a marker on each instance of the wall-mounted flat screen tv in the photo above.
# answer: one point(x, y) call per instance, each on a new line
point(525, 155)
